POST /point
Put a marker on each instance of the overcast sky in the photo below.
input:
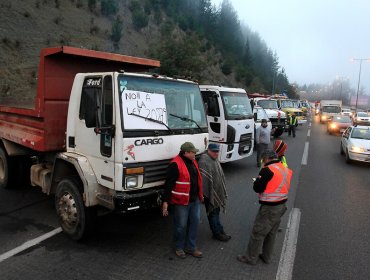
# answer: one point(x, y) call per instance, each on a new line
point(315, 39)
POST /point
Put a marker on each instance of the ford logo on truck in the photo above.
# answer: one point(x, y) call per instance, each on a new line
point(154, 141)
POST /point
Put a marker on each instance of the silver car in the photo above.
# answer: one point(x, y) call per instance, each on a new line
point(361, 118)
point(355, 143)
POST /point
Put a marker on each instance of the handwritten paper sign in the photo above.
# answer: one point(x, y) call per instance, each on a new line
point(148, 105)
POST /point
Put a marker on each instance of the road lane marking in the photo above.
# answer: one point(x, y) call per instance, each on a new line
point(29, 244)
point(305, 154)
point(286, 263)
point(309, 133)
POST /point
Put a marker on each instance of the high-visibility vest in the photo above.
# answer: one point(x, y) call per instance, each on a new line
point(278, 187)
point(180, 194)
point(293, 120)
point(283, 161)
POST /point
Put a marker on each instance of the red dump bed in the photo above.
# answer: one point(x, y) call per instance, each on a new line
point(43, 128)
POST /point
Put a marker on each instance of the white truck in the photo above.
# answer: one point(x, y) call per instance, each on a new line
point(230, 121)
point(276, 116)
point(329, 108)
point(99, 138)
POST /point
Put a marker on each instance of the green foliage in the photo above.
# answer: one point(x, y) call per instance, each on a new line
point(180, 56)
point(117, 27)
point(226, 68)
point(243, 51)
point(91, 4)
point(139, 17)
point(109, 7)
point(134, 5)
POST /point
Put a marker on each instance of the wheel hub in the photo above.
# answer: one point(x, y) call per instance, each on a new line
point(67, 209)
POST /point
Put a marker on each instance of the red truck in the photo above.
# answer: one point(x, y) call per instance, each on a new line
point(98, 136)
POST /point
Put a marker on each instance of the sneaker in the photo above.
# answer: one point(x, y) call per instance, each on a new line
point(195, 253)
point(245, 259)
point(180, 253)
point(265, 260)
point(222, 237)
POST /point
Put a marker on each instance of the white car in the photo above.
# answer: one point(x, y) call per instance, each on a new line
point(355, 143)
point(346, 112)
point(361, 118)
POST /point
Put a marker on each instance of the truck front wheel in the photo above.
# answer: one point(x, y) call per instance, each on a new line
point(76, 220)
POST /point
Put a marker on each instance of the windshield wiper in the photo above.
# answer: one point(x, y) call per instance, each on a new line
point(186, 120)
point(152, 120)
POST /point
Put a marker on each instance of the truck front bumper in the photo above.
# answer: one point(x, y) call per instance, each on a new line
point(131, 201)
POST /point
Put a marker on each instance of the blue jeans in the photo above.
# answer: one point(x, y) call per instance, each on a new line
point(214, 219)
point(186, 220)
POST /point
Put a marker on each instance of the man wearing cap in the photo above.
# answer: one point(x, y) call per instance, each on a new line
point(214, 190)
point(272, 186)
point(263, 139)
point(183, 190)
point(292, 119)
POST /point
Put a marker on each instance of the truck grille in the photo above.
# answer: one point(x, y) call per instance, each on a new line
point(245, 144)
point(278, 122)
point(154, 171)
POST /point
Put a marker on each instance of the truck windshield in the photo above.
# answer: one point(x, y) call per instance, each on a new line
point(144, 99)
point(287, 104)
point(261, 114)
point(331, 109)
point(268, 104)
point(237, 105)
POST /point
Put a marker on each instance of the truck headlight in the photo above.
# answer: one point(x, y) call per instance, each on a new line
point(324, 117)
point(131, 182)
point(333, 125)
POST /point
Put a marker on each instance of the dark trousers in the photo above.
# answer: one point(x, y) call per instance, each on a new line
point(214, 219)
point(264, 231)
point(260, 148)
point(291, 130)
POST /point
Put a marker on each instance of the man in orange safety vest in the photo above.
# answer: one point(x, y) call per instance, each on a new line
point(272, 186)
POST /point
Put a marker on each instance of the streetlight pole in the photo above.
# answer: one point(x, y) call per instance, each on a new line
point(359, 76)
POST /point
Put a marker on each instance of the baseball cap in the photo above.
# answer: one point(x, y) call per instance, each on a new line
point(188, 147)
point(214, 147)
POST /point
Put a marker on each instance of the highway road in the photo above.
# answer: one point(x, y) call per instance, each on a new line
point(332, 228)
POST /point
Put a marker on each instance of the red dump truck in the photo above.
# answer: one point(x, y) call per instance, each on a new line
point(98, 136)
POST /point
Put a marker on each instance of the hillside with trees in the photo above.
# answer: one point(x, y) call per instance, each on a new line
point(191, 38)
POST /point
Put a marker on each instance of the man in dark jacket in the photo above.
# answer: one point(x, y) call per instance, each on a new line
point(183, 190)
point(272, 185)
point(214, 190)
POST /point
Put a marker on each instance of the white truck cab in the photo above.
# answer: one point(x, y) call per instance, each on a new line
point(277, 117)
point(230, 121)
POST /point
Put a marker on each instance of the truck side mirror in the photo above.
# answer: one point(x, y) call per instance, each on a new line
point(255, 116)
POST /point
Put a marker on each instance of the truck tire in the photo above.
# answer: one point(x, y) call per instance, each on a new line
point(7, 177)
point(278, 132)
point(341, 149)
point(4, 169)
point(75, 219)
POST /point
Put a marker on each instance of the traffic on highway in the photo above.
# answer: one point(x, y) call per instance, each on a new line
point(323, 234)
